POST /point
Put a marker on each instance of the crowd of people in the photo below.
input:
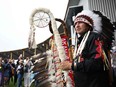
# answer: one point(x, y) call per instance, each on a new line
point(15, 71)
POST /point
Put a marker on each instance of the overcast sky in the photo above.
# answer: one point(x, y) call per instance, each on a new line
point(14, 21)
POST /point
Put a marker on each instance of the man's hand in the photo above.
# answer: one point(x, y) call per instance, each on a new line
point(65, 65)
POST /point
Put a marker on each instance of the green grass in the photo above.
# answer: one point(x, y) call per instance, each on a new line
point(12, 84)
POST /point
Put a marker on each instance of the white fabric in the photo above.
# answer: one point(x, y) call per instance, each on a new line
point(81, 46)
point(26, 79)
point(27, 74)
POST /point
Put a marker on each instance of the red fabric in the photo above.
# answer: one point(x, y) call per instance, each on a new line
point(98, 49)
point(65, 45)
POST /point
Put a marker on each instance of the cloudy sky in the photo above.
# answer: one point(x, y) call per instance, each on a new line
point(14, 21)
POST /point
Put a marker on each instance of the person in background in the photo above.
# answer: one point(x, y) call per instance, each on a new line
point(20, 72)
point(27, 66)
point(89, 66)
point(7, 71)
point(12, 65)
point(15, 72)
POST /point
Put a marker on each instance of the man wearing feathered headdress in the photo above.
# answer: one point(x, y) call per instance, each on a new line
point(91, 64)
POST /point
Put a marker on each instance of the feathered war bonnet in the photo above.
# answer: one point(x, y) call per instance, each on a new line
point(100, 24)
point(90, 18)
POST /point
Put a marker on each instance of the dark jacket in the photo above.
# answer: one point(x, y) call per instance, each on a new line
point(91, 71)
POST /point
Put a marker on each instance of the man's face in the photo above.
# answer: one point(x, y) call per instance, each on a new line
point(81, 27)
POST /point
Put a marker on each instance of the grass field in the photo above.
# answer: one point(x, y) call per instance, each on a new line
point(12, 85)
